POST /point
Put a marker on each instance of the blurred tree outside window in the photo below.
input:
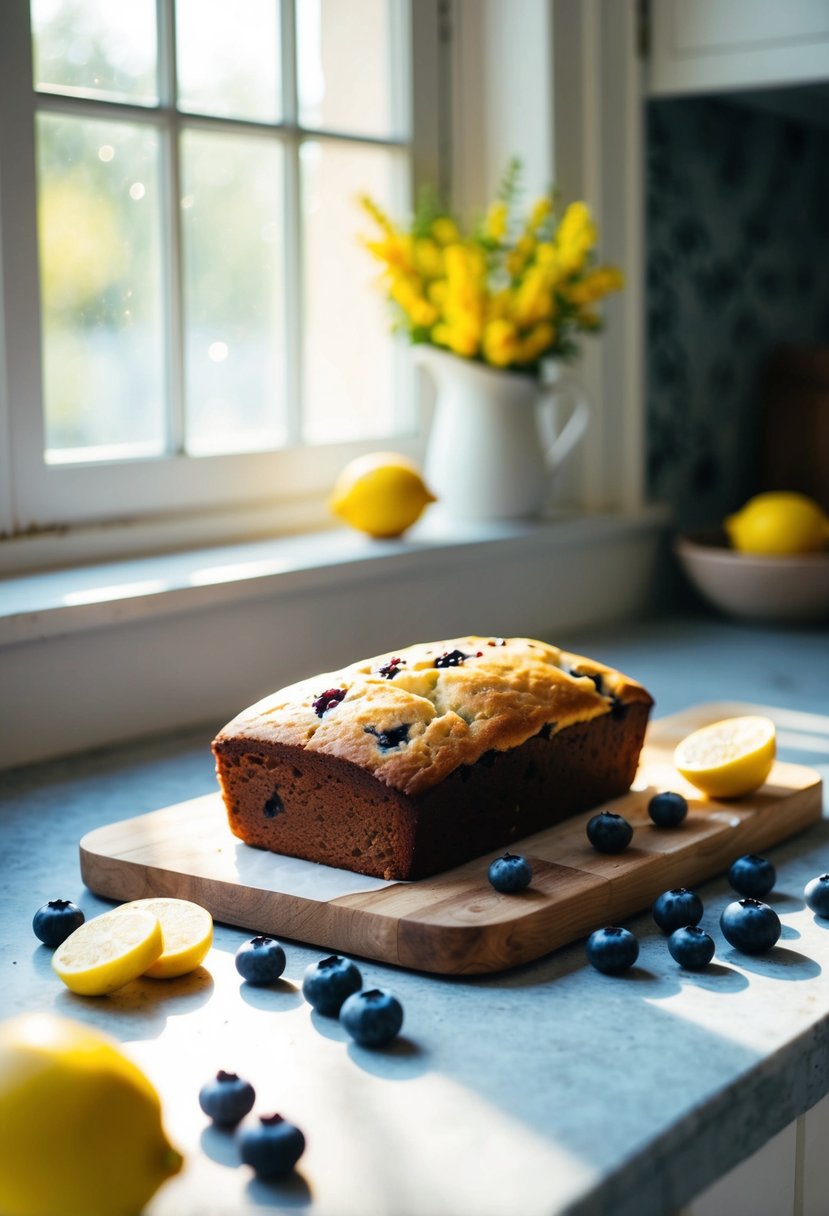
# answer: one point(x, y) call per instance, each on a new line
point(202, 288)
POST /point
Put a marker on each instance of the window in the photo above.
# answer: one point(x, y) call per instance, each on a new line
point(189, 320)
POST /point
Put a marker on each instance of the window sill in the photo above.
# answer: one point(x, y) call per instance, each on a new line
point(112, 651)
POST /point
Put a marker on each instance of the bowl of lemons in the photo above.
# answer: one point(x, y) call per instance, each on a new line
point(768, 562)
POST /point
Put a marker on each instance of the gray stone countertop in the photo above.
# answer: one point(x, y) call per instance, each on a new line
point(549, 1089)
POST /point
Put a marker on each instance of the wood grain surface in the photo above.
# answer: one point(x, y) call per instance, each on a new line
point(455, 923)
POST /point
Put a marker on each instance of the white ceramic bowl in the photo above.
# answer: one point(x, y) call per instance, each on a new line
point(785, 589)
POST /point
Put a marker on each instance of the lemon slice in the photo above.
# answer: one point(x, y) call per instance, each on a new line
point(187, 930)
point(730, 758)
point(107, 952)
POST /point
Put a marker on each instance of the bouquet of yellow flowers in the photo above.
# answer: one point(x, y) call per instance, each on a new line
point(506, 292)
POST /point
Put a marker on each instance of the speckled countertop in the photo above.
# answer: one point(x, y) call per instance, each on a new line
point(549, 1089)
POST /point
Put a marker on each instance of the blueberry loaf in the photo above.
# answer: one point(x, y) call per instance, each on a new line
point(410, 763)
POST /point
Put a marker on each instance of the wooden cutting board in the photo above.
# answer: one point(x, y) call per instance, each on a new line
point(455, 923)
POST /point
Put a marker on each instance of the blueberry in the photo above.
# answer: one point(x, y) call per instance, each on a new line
point(667, 810)
point(372, 1017)
point(816, 894)
point(677, 908)
point(56, 920)
point(750, 926)
point(612, 950)
point(226, 1099)
point(272, 1146)
point(329, 699)
point(609, 833)
point(752, 875)
point(261, 960)
point(327, 983)
point(510, 873)
point(691, 947)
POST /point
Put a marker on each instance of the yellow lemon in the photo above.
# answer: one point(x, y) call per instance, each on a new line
point(107, 952)
point(82, 1130)
point(778, 523)
point(382, 494)
point(187, 930)
point(730, 758)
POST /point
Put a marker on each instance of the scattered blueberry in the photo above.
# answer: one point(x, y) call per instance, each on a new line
point(752, 875)
point(261, 960)
point(691, 947)
point(372, 1017)
point(226, 1099)
point(677, 908)
point(609, 832)
point(750, 926)
point(272, 1146)
point(56, 920)
point(510, 873)
point(816, 894)
point(667, 810)
point(612, 950)
point(327, 983)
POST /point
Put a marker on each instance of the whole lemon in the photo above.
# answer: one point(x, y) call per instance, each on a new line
point(82, 1133)
point(382, 494)
point(778, 522)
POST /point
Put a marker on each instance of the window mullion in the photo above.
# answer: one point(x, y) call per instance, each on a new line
point(19, 260)
point(170, 203)
point(292, 227)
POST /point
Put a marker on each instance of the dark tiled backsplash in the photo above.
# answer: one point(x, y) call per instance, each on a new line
point(737, 238)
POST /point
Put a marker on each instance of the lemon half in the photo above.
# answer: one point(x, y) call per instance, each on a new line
point(82, 1130)
point(187, 931)
point(107, 952)
point(728, 759)
point(382, 494)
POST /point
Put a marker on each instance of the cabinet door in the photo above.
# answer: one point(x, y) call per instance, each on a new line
point(709, 45)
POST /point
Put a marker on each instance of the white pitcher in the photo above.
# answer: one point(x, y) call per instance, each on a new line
point(486, 458)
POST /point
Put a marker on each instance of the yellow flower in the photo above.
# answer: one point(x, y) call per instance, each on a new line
point(457, 338)
point(429, 258)
point(595, 284)
point(445, 231)
point(495, 225)
point(575, 237)
point(500, 344)
point(518, 257)
point(534, 300)
point(541, 210)
point(482, 293)
point(534, 344)
point(407, 293)
point(395, 251)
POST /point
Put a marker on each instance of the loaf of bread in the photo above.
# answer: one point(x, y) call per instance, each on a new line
point(412, 762)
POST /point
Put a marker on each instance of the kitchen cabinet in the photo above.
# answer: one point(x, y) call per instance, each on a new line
point(706, 46)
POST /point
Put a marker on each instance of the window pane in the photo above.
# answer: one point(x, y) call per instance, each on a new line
point(348, 353)
point(95, 48)
point(234, 345)
point(100, 281)
point(343, 70)
point(229, 58)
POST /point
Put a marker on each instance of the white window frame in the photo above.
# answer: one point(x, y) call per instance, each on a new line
point(38, 497)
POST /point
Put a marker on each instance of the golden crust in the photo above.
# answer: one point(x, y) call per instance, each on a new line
point(411, 723)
